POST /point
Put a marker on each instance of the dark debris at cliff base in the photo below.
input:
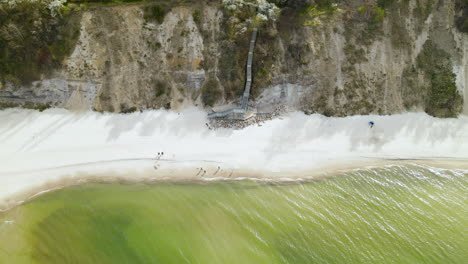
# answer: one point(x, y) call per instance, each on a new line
point(258, 119)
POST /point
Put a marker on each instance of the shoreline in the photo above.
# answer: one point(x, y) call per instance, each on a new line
point(185, 176)
point(54, 148)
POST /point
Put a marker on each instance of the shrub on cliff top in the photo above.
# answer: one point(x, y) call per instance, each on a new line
point(54, 6)
point(156, 13)
point(255, 10)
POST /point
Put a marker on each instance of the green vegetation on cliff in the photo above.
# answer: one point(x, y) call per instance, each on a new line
point(431, 83)
point(211, 92)
point(155, 12)
point(461, 19)
point(443, 98)
point(34, 39)
point(338, 51)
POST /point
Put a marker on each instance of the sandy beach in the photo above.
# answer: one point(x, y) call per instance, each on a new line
point(45, 150)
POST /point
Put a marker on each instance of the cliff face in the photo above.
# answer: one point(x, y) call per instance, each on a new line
point(356, 57)
point(358, 61)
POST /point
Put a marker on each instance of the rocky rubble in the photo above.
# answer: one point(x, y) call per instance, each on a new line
point(258, 119)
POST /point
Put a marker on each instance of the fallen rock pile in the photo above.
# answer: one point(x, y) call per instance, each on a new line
point(258, 119)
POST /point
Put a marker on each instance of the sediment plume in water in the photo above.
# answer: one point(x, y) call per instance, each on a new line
point(392, 214)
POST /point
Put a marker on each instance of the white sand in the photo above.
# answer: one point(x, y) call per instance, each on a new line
point(37, 149)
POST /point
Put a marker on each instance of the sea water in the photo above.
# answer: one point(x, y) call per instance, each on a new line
point(390, 214)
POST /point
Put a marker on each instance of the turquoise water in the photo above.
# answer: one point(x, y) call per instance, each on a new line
point(393, 214)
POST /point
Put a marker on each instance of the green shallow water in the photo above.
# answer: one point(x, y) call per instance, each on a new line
point(384, 215)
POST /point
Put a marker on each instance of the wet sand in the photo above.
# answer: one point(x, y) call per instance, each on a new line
point(212, 172)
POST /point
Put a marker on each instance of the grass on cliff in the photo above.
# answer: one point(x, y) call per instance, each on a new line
point(316, 13)
point(364, 24)
point(28, 105)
